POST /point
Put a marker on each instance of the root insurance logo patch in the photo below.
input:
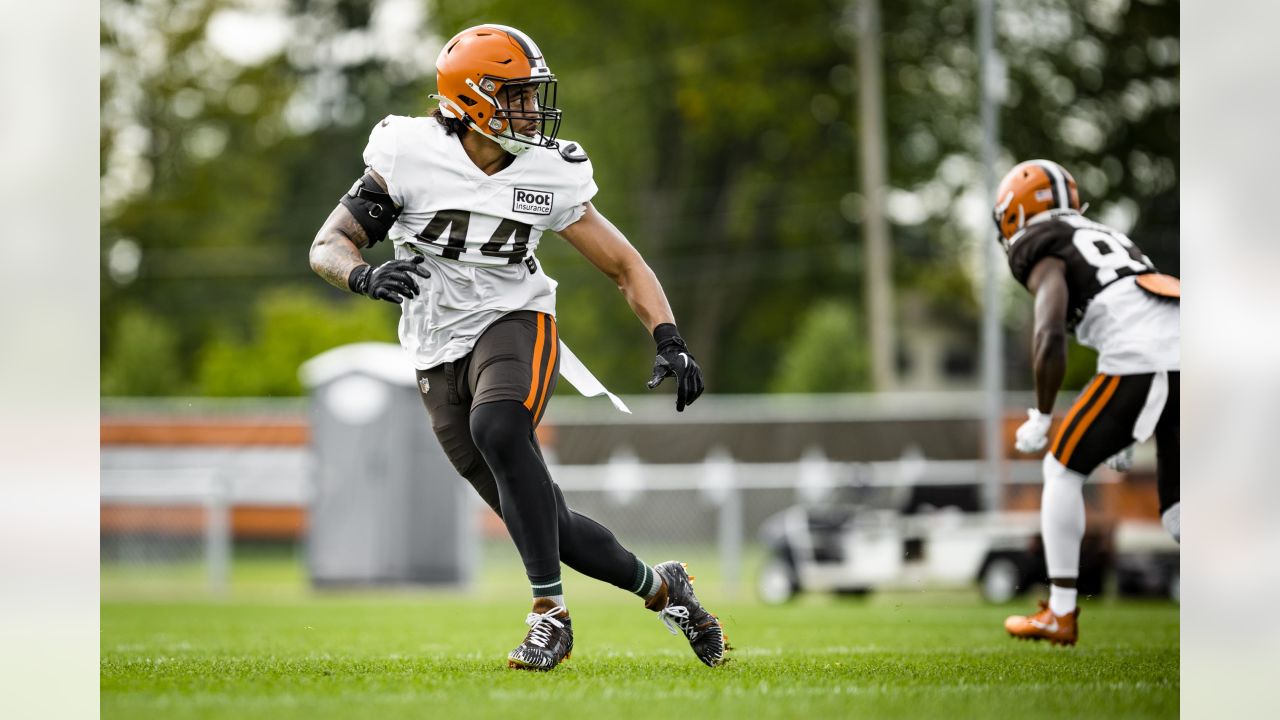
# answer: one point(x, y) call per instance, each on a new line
point(537, 202)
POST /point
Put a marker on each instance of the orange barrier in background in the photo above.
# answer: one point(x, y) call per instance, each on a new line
point(221, 431)
point(226, 431)
point(248, 522)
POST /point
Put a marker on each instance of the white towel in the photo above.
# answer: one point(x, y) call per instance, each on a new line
point(1153, 407)
point(572, 369)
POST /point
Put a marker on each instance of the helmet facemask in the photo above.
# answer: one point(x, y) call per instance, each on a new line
point(1000, 215)
point(515, 107)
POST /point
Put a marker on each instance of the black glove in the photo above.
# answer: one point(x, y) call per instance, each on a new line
point(392, 281)
point(674, 359)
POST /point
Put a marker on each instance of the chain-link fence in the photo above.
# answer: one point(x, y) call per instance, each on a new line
point(171, 527)
point(716, 508)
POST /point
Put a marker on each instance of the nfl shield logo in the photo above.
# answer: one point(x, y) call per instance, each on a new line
point(424, 384)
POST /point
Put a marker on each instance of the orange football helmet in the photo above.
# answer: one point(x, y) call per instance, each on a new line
point(1030, 188)
point(480, 75)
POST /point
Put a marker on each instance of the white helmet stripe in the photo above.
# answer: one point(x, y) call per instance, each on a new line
point(1058, 178)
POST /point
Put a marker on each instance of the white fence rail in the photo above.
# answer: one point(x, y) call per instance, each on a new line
point(714, 500)
point(721, 484)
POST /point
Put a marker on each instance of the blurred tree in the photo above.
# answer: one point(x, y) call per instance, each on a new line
point(722, 150)
point(144, 357)
point(827, 353)
point(722, 136)
point(289, 327)
point(218, 119)
point(1095, 87)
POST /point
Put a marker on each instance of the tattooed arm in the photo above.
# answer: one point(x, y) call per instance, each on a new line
point(335, 252)
point(335, 256)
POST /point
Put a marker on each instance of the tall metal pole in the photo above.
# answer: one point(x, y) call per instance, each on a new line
point(992, 85)
point(878, 276)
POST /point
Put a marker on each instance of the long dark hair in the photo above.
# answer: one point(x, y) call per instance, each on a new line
point(452, 126)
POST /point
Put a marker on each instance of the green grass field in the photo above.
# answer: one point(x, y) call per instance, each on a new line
point(279, 651)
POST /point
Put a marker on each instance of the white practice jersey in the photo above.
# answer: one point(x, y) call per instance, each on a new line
point(478, 232)
point(1132, 331)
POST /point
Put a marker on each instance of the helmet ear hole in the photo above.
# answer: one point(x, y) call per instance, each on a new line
point(466, 99)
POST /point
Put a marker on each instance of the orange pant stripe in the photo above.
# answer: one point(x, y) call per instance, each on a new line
point(548, 371)
point(537, 365)
point(1079, 405)
point(1078, 433)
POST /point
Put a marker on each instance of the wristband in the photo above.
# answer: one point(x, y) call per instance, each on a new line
point(358, 280)
point(666, 332)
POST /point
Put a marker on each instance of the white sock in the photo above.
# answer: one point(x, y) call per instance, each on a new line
point(1062, 519)
point(1171, 519)
point(1062, 601)
point(557, 599)
point(648, 582)
point(655, 584)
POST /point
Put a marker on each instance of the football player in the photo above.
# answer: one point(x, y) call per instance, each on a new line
point(1090, 280)
point(465, 195)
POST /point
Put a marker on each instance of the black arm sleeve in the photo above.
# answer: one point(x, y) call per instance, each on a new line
point(372, 207)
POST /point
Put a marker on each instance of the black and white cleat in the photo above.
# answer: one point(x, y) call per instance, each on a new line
point(683, 613)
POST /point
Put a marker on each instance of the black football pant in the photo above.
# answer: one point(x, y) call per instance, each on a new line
point(1100, 424)
point(484, 408)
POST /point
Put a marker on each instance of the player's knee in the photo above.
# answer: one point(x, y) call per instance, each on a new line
point(496, 425)
point(1062, 500)
point(1058, 475)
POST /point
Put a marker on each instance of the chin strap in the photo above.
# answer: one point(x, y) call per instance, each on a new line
point(511, 145)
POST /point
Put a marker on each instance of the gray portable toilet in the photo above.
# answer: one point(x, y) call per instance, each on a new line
point(387, 507)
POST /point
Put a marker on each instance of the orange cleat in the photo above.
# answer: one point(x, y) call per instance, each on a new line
point(1044, 625)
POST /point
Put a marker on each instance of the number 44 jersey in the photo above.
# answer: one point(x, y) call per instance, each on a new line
point(1134, 330)
point(477, 232)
